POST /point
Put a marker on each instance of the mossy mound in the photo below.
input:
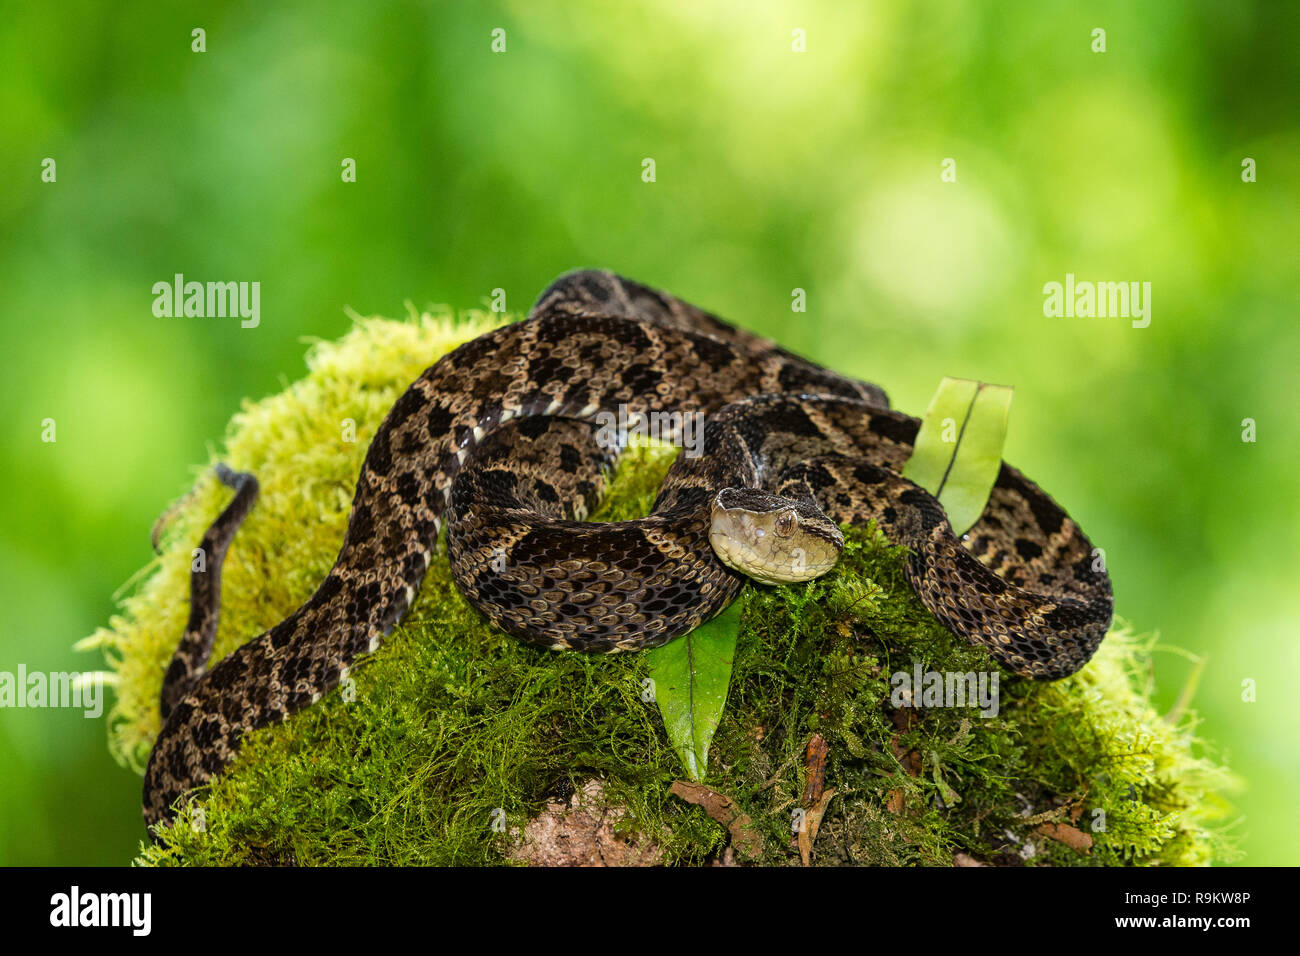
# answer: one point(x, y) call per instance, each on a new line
point(453, 735)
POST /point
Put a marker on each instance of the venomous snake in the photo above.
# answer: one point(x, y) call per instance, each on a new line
point(505, 442)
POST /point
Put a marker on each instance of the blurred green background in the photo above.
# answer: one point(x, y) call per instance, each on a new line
point(775, 170)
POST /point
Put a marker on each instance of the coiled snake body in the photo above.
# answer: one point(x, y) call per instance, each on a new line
point(501, 441)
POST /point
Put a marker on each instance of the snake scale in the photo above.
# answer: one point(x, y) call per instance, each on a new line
point(501, 442)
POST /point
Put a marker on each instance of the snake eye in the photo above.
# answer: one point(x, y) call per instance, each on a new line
point(785, 524)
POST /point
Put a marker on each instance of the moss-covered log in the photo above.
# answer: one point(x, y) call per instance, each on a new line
point(451, 738)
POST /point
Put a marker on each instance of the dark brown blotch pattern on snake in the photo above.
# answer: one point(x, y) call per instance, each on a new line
point(597, 343)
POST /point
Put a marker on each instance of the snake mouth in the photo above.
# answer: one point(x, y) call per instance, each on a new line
point(771, 539)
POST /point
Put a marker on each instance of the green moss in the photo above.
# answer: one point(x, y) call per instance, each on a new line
point(452, 722)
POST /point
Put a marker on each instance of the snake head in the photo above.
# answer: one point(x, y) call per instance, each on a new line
point(772, 539)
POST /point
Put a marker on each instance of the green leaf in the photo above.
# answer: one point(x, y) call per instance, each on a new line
point(959, 447)
point(691, 676)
